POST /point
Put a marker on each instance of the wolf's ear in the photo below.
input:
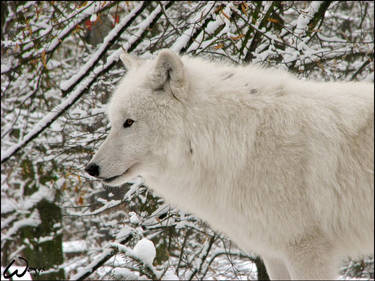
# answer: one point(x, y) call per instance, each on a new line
point(168, 68)
point(128, 60)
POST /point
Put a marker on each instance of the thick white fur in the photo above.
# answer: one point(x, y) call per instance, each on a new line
point(284, 167)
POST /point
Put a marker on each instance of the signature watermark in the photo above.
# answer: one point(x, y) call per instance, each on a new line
point(9, 272)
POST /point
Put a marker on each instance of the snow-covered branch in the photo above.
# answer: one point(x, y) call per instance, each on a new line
point(77, 17)
point(107, 253)
point(303, 24)
point(143, 253)
point(112, 203)
point(202, 257)
point(33, 220)
point(115, 33)
point(188, 37)
point(87, 72)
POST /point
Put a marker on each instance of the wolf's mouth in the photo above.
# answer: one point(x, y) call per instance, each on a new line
point(108, 180)
point(111, 179)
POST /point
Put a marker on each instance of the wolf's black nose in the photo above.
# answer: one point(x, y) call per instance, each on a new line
point(92, 170)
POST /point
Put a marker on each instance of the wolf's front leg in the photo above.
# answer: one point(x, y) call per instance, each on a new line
point(312, 258)
point(276, 269)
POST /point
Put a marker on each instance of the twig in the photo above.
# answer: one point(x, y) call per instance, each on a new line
point(108, 253)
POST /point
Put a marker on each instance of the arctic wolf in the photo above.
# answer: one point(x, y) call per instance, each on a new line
point(284, 167)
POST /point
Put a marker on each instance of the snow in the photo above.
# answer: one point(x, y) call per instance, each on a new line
point(46, 239)
point(9, 205)
point(184, 38)
point(90, 267)
point(145, 251)
point(5, 67)
point(98, 110)
point(305, 17)
point(107, 205)
point(133, 218)
point(124, 274)
point(42, 193)
point(170, 275)
point(137, 182)
point(65, 85)
point(142, 27)
point(124, 233)
point(93, 18)
point(33, 220)
point(51, 116)
point(76, 17)
point(76, 246)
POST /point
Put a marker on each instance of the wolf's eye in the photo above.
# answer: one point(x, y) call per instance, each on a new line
point(128, 123)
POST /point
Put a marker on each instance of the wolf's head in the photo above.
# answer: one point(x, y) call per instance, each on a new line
point(145, 115)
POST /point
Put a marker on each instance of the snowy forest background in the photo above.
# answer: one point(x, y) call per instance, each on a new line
point(59, 65)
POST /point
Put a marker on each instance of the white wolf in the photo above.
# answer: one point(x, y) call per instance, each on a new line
point(284, 167)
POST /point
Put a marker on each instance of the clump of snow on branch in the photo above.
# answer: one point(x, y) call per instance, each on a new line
point(145, 251)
